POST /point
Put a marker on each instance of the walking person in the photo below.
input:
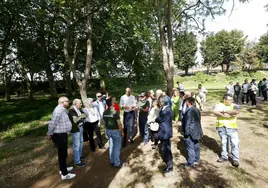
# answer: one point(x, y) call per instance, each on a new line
point(58, 128)
point(245, 87)
point(114, 132)
point(175, 104)
point(237, 90)
point(153, 114)
point(77, 117)
point(253, 89)
point(143, 108)
point(192, 131)
point(165, 133)
point(128, 103)
point(100, 105)
point(226, 127)
point(91, 123)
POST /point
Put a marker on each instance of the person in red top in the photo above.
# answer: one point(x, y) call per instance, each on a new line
point(116, 105)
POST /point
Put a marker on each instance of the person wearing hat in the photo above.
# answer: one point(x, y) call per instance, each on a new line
point(144, 106)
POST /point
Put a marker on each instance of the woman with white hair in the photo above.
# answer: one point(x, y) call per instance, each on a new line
point(91, 122)
point(77, 116)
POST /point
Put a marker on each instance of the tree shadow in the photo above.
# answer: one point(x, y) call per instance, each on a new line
point(203, 175)
point(181, 147)
point(211, 144)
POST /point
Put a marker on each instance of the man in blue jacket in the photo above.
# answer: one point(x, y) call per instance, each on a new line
point(165, 133)
point(191, 128)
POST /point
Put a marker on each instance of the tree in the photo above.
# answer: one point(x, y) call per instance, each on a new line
point(248, 56)
point(226, 45)
point(185, 50)
point(262, 48)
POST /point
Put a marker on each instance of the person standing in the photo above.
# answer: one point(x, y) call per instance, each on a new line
point(114, 132)
point(175, 104)
point(259, 88)
point(237, 90)
point(115, 104)
point(58, 128)
point(91, 123)
point(202, 93)
point(264, 89)
point(227, 128)
point(253, 89)
point(180, 87)
point(192, 131)
point(153, 114)
point(245, 87)
point(151, 97)
point(165, 133)
point(230, 88)
point(100, 106)
point(143, 108)
point(164, 94)
point(128, 103)
point(77, 117)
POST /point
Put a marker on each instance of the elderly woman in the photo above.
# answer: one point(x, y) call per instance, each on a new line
point(91, 122)
point(77, 117)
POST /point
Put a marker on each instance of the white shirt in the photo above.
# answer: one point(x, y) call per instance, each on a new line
point(101, 108)
point(92, 114)
point(203, 90)
point(245, 87)
point(153, 114)
point(230, 89)
point(127, 101)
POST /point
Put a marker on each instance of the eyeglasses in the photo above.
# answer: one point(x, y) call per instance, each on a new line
point(99, 96)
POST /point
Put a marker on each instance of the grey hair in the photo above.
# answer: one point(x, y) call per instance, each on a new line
point(159, 91)
point(164, 101)
point(88, 101)
point(75, 101)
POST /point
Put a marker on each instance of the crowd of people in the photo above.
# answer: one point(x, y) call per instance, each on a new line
point(154, 116)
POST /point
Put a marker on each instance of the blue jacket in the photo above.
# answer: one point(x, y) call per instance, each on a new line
point(165, 124)
point(169, 101)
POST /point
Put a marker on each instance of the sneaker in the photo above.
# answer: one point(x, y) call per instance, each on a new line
point(131, 141)
point(197, 163)
point(69, 169)
point(68, 176)
point(82, 157)
point(222, 160)
point(187, 165)
point(235, 163)
point(81, 164)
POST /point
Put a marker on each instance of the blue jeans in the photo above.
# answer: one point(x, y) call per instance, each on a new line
point(78, 145)
point(231, 134)
point(129, 118)
point(115, 138)
point(144, 128)
point(193, 150)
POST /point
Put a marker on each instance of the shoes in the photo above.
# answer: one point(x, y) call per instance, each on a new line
point(119, 166)
point(102, 147)
point(82, 157)
point(131, 141)
point(167, 170)
point(222, 160)
point(68, 169)
point(187, 165)
point(235, 163)
point(80, 164)
point(68, 176)
point(197, 163)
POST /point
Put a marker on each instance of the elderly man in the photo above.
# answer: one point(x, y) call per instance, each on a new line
point(128, 103)
point(158, 93)
point(77, 117)
point(100, 106)
point(165, 133)
point(58, 128)
point(226, 127)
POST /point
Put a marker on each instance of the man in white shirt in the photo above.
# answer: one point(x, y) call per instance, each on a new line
point(245, 87)
point(128, 103)
point(101, 108)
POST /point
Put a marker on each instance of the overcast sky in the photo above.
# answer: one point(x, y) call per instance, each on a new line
point(250, 17)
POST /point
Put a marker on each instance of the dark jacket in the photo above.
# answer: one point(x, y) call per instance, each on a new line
point(165, 124)
point(191, 124)
point(75, 119)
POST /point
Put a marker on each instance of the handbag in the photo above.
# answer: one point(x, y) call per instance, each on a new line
point(154, 126)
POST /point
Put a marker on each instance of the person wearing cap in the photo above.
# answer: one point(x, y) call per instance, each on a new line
point(144, 106)
point(128, 103)
point(165, 133)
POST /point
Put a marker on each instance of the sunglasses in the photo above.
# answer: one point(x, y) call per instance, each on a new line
point(99, 96)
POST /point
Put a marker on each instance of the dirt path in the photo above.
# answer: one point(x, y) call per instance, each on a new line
point(144, 165)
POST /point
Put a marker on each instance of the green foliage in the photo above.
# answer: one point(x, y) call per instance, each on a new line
point(185, 50)
point(222, 48)
point(248, 57)
point(262, 48)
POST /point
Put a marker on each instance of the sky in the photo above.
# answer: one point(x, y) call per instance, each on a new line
point(249, 17)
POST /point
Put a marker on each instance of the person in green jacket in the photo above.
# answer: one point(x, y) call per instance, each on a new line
point(175, 104)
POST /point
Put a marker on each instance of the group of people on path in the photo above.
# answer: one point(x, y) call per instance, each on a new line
point(248, 91)
point(154, 116)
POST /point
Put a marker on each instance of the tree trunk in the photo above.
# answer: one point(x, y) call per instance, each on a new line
point(186, 71)
point(52, 86)
point(28, 82)
point(170, 80)
point(68, 81)
point(7, 89)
